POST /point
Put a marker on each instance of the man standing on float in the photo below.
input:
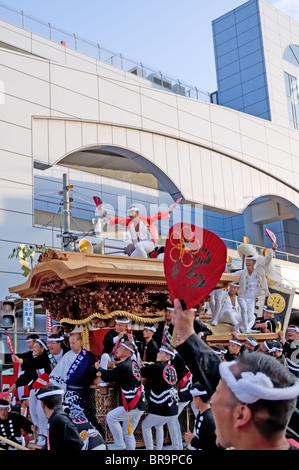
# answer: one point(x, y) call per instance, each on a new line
point(252, 283)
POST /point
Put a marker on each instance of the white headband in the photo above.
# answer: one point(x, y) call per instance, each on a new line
point(152, 328)
point(171, 353)
point(60, 338)
point(41, 343)
point(266, 345)
point(275, 349)
point(5, 406)
point(267, 309)
point(197, 393)
point(218, 352)
point(252, 258)
point(127, 347)
point(50, 393)
point(253, 387)
point(253, 342)
point(133, 209)
point(122, 321)
point(235, 342)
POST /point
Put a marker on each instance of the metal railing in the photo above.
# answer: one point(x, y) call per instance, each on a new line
point(281, 255)
point(79, 44)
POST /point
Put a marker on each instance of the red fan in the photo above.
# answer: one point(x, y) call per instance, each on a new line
point(271, 235)
point(9, 342)
point(41, 382)
point(194, 261)
point(98, 201)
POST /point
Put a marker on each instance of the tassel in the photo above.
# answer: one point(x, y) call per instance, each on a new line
point(129, 425)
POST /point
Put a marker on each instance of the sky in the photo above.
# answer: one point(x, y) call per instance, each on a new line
point(170, 36)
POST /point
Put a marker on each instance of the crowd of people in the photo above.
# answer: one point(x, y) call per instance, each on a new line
point(242, 396)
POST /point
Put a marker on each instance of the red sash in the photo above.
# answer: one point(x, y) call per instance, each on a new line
point(115, 348)
point(133, 403)
point(184, 380)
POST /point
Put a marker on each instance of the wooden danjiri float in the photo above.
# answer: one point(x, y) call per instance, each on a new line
point(86, 292)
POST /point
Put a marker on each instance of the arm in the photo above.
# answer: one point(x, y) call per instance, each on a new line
point(198, 356)
point(154, 217)
point(191, 439)
point(110, 375)
point(24, 379)
point(124, 221)
point(112, 219)
point(268, 258)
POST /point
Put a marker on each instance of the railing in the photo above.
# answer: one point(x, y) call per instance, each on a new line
point(282, 255)
point(230, 244)
point(72, 41)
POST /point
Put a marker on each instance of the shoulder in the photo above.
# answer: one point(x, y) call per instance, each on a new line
point(60, 415)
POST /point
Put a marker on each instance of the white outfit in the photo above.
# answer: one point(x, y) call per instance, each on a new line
point(37, 414)
point(230, 313)
point(142, 249)
point(247, 305)
point(250, 287)
point(215, 304)
point(142, 240)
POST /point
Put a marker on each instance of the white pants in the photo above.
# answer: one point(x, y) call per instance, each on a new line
point(182, 405)
point(230, 315)
point(247, 305)
point(215, 304)
point(117, 421)
point(143, 248)
point(158, 422)
point(37, 414)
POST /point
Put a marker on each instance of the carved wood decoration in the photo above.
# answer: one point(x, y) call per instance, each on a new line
point(81, 302)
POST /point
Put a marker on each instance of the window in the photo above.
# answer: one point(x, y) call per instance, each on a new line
point(291, 54)
point(293, 100)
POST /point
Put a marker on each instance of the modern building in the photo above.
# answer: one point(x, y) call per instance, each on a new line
point(257, 66)
point(132, 136)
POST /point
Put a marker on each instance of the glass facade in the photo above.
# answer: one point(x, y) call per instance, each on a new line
point(240, 63)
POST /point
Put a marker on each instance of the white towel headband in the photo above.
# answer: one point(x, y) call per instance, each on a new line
point(253, 387)
point(50, 393)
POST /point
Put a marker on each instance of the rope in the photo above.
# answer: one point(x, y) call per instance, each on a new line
point(107, 316)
